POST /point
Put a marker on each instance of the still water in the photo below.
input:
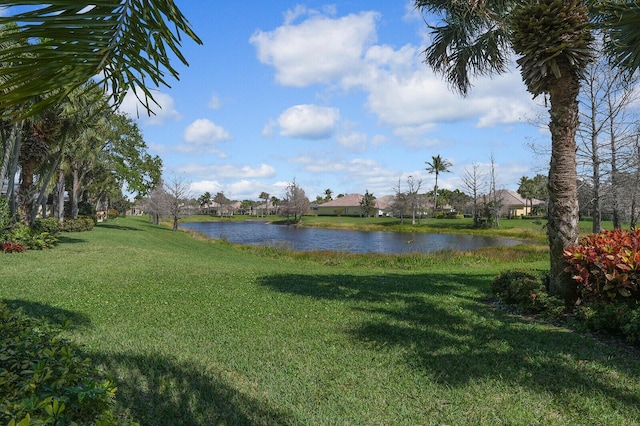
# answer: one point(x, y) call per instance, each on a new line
point(305, 239)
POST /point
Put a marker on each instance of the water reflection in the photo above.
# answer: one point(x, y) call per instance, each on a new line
point(305, 239)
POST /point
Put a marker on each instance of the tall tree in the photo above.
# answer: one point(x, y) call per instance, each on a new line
point(264, 196)
point(552, 41)
point(437, 166)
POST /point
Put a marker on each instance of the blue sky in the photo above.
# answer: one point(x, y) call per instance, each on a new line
point(333, 95)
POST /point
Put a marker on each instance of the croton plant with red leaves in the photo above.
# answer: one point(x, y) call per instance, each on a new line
point(606, 265)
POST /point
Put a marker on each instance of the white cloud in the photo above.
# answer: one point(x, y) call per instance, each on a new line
point(233, 171)
point(163, 112)
point(317, 50)
point(401, 90)
point(227, 171)
point(201, 137)
point(353, 141)
point(308, 121)
point(200, 187)
point(204, 131)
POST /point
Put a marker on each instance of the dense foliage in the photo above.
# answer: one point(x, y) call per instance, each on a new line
point(44, 380)
point(526, 292)
point(606, 265)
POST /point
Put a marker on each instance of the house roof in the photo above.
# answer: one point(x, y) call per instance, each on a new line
point(352, 200)
point(510, 198)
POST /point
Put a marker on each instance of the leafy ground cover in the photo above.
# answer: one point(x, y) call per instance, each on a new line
point(204, 332)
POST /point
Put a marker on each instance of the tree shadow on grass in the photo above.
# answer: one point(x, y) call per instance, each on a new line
point(64, 238)
point(154, 390)
point(446, 330)
point(119, 227)
point(50, 314)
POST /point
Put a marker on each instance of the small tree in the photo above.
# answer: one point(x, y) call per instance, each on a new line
point(295, 201)
point(179, 199)
point(400, 203)
point(368, 204)
point(474, 184)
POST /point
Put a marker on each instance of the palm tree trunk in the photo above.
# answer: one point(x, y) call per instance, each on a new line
point(563, 191)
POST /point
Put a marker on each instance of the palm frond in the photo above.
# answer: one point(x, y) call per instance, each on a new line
point(58, 46)
point(620, 21)
point(470, 40)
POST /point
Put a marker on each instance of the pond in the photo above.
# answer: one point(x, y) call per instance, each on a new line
point(306, 239)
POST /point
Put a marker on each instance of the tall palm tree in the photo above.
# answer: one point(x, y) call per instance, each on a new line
point(127, 45)
point(552, 42)
point(436, 166)
point(525, 189)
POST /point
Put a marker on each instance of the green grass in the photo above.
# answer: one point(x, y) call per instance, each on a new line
point(199, 332)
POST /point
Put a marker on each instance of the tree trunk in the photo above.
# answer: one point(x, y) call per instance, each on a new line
point(595, 161)
point(26, 194)
point(563, 190)
point(60, 195)
point(75, 190)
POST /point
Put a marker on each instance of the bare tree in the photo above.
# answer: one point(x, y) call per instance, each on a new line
point(474, 184)
point(606, 134)
point(179, 199)
point(412, 195)
point(400, 203)
point(295, 201)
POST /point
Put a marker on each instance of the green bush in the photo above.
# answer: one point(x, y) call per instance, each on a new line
point(526, 293)
point(112, 214)
point(602, 317)
point(45, 381)
point(50, 225)
point(5, 215)
point(31, 239)
point(631, 328)
point(81, 224)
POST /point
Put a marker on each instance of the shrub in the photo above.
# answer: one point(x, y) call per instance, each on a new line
point(80, 224)
point(5, 215)
point(112, 214)
point(50, 225)
point(603, 317)
point(12, 247)
point(514, 287)
point(631, 328)
point(45, 381)
point(606, 266)
point(30, 239)
point(526, 292)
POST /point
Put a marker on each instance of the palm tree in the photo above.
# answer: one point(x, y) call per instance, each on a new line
point(205, 199)
point(525, 189)
point(552, 41)
point(436, 166)
point(127, 45)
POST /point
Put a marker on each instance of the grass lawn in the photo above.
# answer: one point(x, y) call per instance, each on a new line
point(200, 332)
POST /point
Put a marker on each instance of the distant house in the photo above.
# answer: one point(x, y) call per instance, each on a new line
point(511, 203)
point(349, 205)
